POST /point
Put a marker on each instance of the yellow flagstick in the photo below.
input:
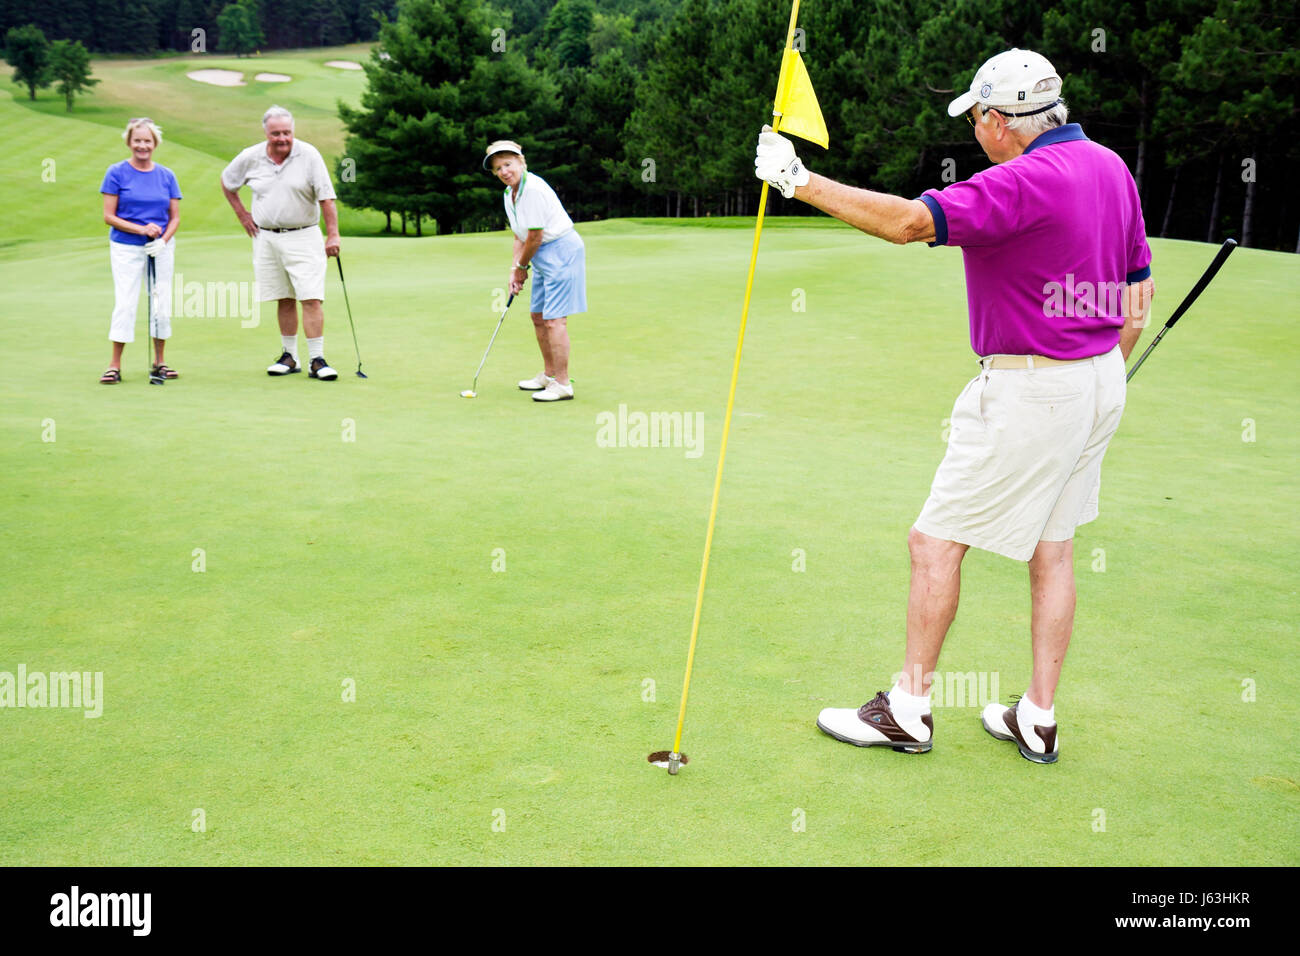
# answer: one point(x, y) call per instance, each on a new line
point(674, 758)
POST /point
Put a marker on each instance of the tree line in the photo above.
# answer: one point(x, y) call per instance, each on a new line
point(636, 107)
point(650, 107)
point(148, 26)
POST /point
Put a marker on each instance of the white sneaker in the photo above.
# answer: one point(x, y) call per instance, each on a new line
point(536, 383)
point(554, 392)
point(874, 725)
point(1037, 743)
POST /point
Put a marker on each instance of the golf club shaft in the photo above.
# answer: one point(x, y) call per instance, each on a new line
point(151, 273)
point(355, 348)
point(1224, 251)
point(493, 339)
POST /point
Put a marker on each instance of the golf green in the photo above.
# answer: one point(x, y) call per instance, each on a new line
point(373, 622)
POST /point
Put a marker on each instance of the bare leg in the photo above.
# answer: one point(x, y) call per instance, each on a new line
point(543, 342)
point(158, 346)
point(931, 605)
point(1051, 587)
point(117, 356)
point(286, 312)
point(557, 332)
point(313, 318)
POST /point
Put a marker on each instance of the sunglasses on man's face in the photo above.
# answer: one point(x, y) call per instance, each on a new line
point(985, 112)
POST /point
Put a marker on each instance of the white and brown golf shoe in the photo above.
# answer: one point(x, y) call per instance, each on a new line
point(1036, 742)
point(536, 383)
point(554, 392)
point(874, 725)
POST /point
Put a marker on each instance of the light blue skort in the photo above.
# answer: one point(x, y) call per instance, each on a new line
point(560, 277)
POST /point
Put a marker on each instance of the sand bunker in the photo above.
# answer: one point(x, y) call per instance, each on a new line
point(218, 77)
point(273, 78)
point(343, 64)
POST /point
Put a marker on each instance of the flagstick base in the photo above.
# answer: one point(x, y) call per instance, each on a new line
point(668, 760)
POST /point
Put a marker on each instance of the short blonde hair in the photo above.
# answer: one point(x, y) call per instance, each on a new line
point(154, 129)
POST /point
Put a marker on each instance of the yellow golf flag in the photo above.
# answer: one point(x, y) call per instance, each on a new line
point(796, 103)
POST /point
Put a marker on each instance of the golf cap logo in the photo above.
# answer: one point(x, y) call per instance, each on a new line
point(986, 91)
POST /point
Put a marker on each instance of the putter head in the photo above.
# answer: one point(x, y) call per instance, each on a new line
point(361, 374)
point(469, 393)
point(156, 379)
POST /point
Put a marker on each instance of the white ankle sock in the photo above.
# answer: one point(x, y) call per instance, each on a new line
point(906, 706)
point(316, 347)
point(1031, 714)
point(290, 343)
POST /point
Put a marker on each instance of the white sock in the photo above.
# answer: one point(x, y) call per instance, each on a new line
point(290, 343)
point(1031, 714)
point(316, 347)
point(906, 706)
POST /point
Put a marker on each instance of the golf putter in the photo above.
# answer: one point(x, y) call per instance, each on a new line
point(1210, 273)
point(470, 392)
point(155, 377)
point(355, 347)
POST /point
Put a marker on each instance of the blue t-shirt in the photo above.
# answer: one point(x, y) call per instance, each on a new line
point(142, 198)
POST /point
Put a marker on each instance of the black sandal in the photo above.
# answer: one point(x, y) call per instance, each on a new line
point(111, 377)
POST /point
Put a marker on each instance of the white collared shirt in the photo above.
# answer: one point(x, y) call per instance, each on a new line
point(287, 195)
point(536, 207)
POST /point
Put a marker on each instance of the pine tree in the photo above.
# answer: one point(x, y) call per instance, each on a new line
point(436, 94)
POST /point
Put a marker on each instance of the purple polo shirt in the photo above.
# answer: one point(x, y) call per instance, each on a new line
point(1049, 239)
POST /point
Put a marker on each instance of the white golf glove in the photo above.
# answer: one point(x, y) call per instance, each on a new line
point(155, 246)
point(776, 163)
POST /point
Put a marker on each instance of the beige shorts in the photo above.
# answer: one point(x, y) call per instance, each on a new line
point(1024, 455)
point(289, 265)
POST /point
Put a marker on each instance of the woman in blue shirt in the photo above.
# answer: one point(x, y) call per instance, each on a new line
point(142, 205)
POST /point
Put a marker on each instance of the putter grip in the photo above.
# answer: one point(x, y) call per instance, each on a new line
point(1210, 273)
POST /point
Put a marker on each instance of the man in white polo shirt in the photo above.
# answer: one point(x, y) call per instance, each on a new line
point(291, 191)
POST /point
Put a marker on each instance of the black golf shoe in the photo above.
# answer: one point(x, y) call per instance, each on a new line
point(320, 369)
point(284, 365)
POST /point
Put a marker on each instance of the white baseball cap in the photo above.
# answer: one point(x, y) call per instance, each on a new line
point(1009, 78)
point(500, 146)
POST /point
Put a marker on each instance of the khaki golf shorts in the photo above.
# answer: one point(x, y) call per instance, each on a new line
point(1024, 455)
point(289, 265)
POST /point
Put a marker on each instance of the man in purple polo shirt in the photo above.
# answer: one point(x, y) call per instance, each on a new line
point(1058, 283)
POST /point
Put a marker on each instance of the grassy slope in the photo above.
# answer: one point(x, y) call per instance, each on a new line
point(522, 691)
point(197, 118)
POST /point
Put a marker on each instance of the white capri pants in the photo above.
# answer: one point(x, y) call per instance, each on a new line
point(128, 276)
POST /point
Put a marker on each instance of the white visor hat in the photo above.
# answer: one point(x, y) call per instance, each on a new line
point(500, 146)
point(1009, 78)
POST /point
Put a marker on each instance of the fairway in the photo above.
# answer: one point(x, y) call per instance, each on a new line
point(373, 622)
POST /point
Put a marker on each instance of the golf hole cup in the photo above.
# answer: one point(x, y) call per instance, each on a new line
point(665, 760)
